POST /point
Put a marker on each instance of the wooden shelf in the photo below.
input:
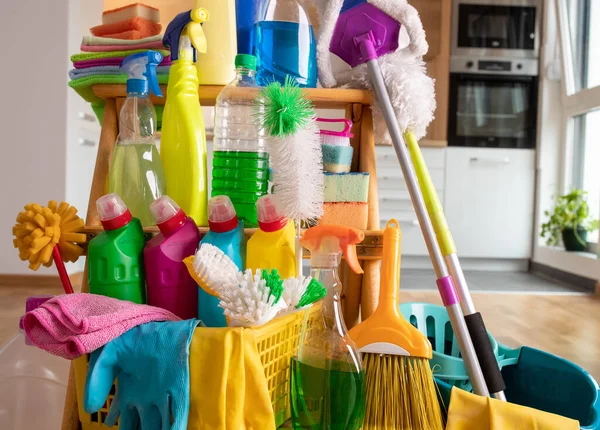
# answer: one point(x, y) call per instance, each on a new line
point(321, 97)
point(369, 249)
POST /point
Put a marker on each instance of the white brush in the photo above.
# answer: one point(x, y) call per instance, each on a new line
point(213, 269)
point(248, 302)
point(301, 292)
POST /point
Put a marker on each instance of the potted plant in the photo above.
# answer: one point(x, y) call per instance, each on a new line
point(570, 221)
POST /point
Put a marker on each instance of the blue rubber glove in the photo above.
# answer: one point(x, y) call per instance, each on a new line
point(151, 364)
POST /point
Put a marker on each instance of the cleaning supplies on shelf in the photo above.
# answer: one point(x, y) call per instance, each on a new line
point(254, 299)
point(47, 234)
point(115, 256)
point(136, 172)
point(151, 364)
point(295, 154)
point(272, 246)
point(240, 153)
point(337, 152)
point(30, 377)
point(183, 140)
point(72, 325)
point(169, 284)
point(246, 16)
point(227, 234)
point(215, 65)
point(286, 45)
point(327, 380)
point(400, 388)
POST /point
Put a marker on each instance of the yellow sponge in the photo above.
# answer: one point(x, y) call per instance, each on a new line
point(350, 214)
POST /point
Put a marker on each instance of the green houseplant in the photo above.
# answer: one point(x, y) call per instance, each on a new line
point(570, 221)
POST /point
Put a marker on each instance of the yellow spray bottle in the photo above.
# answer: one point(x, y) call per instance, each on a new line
point(183, 140)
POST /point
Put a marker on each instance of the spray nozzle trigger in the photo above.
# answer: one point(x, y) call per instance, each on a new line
point(141, 68)
point(186, 24)
point(334, 239)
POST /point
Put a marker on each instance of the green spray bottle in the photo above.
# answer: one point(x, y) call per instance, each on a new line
point(115, 256)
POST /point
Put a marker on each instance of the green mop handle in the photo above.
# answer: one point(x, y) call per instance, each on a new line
point(473, 319)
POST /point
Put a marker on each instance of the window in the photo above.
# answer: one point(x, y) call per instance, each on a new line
point(579, 25)
point(584, 31)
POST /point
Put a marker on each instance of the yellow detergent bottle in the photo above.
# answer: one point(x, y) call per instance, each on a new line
point(216, 66)
point(183, 141)
point(273, 246)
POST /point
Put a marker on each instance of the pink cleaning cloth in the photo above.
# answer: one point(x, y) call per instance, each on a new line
point(107, 48)
point(72, 325)
point(112, 61)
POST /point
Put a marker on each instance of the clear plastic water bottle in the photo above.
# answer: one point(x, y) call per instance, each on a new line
point(286, 45)
point(240, 157)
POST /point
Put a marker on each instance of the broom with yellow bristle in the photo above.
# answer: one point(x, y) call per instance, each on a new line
point(401, 392)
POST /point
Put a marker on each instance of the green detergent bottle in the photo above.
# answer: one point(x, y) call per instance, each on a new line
point(115, 256)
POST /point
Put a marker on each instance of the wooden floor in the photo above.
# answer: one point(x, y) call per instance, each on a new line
point(565, 325)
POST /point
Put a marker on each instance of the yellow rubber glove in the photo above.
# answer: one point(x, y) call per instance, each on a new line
point(227, 381)
point(468, 411)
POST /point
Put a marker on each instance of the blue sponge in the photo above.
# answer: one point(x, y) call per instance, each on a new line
point(337, 159)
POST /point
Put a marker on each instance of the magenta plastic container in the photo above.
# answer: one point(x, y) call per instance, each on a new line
point(169, 285)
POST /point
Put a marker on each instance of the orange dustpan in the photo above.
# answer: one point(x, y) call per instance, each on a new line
point(387, 331)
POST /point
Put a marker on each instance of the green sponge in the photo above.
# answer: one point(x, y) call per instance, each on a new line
point(346, 187)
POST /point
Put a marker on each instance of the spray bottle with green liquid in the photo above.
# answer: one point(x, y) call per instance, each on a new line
point(328, 386)
point(136, 171)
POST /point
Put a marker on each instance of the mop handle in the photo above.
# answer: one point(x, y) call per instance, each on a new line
point(62, 271)
point(473, 319)
point(444, 281)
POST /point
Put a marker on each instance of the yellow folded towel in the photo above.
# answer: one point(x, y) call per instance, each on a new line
point(468, 411)
point(228, 388)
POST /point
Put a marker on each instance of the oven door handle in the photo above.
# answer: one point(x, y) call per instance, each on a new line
point(489, 160)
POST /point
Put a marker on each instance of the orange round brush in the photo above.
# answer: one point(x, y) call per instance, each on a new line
point(47, 234)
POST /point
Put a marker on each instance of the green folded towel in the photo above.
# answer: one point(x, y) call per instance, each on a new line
point(83, 86)
point(112, 54)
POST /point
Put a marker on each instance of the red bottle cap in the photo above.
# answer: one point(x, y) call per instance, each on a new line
point(167, 214)
point(221, 214)
point(112, 212)
point(270, 217)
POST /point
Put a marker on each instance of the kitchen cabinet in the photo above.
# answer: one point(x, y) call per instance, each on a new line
point(394, 199)
point(489, 201)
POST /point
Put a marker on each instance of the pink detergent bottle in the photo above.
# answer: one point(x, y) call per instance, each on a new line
point(169, 284)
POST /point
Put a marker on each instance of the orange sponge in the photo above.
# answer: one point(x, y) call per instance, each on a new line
point(350, 214)
point(131, 11)
point(133, 27)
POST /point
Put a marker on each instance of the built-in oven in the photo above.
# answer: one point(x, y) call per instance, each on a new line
point(496, 28)
point(493, 103)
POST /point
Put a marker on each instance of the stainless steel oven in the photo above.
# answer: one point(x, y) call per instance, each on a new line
point(496, 28)
point(493, 103)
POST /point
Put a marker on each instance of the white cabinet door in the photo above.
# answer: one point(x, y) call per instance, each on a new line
point(490, 201)
point(394, 199)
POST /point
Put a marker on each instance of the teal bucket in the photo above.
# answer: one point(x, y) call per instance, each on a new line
point(533, 378)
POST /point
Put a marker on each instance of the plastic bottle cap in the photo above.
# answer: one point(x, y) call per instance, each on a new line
point(245, 60)
point(270, 216)
point(112, 211)
point(167, 214)
point(221, 214)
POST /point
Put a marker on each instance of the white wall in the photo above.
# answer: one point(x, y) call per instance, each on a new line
point(32, 113)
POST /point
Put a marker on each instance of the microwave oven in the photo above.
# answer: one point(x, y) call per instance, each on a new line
point(508, 28)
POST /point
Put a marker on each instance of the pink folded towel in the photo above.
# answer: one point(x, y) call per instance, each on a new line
point(107, 48)
point(75, 324)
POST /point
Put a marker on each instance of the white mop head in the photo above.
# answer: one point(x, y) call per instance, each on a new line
point(411, 90)
point(248, 302)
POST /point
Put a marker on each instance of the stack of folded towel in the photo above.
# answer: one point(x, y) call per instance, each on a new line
point(124, 31)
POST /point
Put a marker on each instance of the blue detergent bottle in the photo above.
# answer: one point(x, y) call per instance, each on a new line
point(286, 45)
point(226, 233)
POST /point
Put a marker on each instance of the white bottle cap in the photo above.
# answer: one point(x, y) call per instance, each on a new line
point(220, 209)
point(270, 215)
point(163, 209)
point(110, 206)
